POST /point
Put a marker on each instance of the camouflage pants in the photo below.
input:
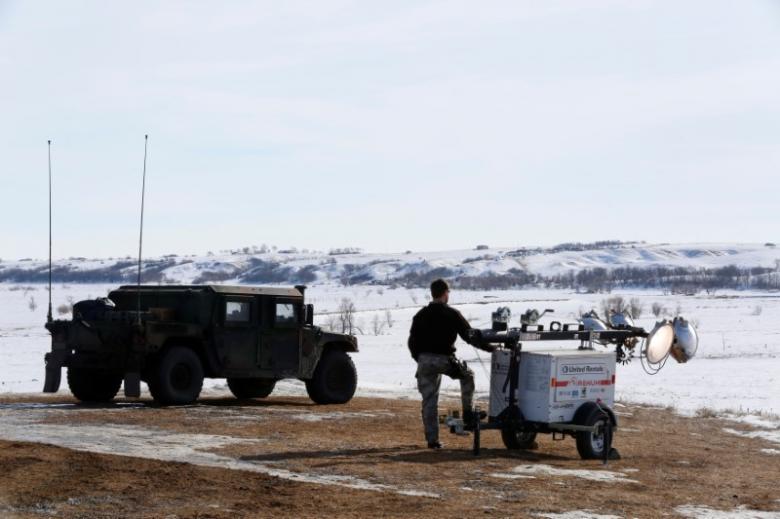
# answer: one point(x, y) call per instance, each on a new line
point(430, 368)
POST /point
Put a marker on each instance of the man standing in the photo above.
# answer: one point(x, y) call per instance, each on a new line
point(432, 345)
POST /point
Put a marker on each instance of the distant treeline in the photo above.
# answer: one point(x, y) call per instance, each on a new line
point(678, 280)
point(573, 247)
point(672, 279)
point(415, 275)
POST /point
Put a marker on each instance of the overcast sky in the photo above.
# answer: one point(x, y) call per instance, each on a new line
point(388, 125)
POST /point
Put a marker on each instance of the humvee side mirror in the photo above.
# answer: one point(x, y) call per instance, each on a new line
point(309, 315)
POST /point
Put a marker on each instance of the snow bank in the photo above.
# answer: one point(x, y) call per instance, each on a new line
point(527, 471)
point(576, 514)
point(704, 512)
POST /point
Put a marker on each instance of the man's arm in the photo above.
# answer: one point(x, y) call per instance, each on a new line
point(462, 326)
point(470, 335)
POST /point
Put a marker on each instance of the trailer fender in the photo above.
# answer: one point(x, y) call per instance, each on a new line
point(587, 408)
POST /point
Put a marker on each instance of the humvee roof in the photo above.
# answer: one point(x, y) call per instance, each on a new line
point(220, 289)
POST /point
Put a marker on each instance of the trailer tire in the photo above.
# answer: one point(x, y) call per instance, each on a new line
point(245, 388)
point(515, 439)
point(591, 445)
point(177, 377)
point(334, 380)
point(94, 385)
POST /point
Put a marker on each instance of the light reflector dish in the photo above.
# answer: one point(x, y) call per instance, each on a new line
point(686, 340)
point(620, 320)
point(659, 342)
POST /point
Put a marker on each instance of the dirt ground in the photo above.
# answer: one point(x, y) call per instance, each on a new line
point(285, 457)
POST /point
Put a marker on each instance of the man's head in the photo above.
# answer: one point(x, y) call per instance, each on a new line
point(440, 291)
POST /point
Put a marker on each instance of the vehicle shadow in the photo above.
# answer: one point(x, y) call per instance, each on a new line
point(251, 402)
point(66, 404)
point(74, 405)
point(403, 454)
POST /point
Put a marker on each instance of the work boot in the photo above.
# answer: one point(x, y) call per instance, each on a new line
point(434, 445)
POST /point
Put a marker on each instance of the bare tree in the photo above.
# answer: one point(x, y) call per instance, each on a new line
point(346, 316)
point(377, 325)
point(332, 323)
point(31, 304)
point(613, 304)
point(389, 318)
point(777, 273)
point(359, 325)
point(658, 309)
point(636, 307)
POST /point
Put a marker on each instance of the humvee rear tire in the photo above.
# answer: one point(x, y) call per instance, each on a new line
point(94, 385)
point(243, 388)
point(334, 380)
point(177, 378)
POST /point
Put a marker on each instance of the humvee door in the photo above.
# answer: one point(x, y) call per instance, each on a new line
point(238, 334)
point(281, 336)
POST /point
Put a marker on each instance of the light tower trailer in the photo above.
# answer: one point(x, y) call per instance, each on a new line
point(558, 392)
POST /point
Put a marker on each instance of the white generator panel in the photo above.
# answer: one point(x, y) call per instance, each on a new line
point(552, 384)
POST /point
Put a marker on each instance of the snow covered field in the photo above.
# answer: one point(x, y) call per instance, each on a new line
point(737, 367)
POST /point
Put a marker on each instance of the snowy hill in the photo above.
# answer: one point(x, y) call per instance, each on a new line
point(567, 265)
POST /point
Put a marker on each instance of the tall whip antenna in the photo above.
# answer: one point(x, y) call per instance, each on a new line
point(48, 315)
point(141, 236)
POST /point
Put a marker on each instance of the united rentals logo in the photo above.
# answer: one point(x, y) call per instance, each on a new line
point(582, 369)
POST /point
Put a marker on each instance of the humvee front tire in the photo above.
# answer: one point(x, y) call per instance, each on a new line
point(334, 380)
point(177, 377)
point(94, 385)
point(243, 388)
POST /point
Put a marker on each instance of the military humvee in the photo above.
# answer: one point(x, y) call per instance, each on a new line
point(252, 336)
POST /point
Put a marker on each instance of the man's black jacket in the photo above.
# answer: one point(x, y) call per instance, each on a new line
point(435, 328)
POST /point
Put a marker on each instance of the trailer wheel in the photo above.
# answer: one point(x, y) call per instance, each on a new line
point(592, 445)
point(244, 388)
point(177, 378)
point(334, 380)
point(94, 385)
point(515, 439)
